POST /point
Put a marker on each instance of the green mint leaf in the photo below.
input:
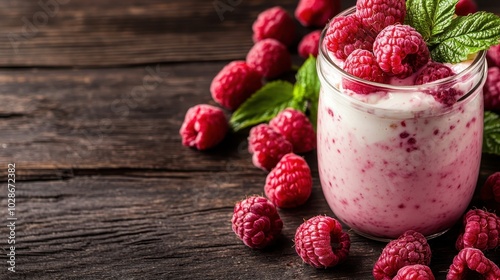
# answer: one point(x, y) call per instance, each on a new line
point(307, 79)
point(306, 89)
point(464, 36)
point(264, 104)
point(429, 17)
point(491, 135)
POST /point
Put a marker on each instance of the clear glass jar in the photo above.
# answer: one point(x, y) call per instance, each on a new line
point(389, 168)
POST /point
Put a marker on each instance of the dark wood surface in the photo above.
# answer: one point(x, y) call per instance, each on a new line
point(104, 188)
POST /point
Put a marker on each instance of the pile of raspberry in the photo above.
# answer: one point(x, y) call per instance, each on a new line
point(374, 44)
point(274, 34)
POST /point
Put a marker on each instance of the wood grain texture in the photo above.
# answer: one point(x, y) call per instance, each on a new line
point(105, 190)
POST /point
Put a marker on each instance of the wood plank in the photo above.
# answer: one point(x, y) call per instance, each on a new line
point(104, 33)
point(166, 227)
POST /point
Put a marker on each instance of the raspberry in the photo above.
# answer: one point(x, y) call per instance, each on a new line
point(346, 34)
point(433, 71)
point(269, 58)
point(204, 127)
point(414, 272)
point(410, 248)
point(493, 56)
point(316, 12)
point(256, 222)
point(321, 242)
point(491, 89)
point(289, 184)
point(378, 14)
point(481, 230)
point(267, 146)
point(465, 7)
point(400, 50)
point(490, 192)
point(362, 64)
point(296, 128)
point(274, 23)
point(309, 45)
point(234, 84)
point(471, 263)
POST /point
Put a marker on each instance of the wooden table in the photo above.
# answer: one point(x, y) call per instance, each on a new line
point(93, 94)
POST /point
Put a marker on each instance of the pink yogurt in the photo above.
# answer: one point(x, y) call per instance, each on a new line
point(398, 159)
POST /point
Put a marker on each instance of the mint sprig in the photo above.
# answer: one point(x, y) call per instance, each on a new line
point(278, 95)
point(430, 18)
point(491, 134)
point(449, 38)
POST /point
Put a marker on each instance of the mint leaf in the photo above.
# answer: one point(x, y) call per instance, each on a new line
point(491, 135)
point(264, 104)
point(306, 89)
point(464, 36)
point(429, 17)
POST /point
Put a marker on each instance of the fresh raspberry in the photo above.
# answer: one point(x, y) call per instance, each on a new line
point(362, 64)
point(491, 89)
point(267, 146)
point(269, 58)
point(465, 7)
point(346, 34)
point(256, 222)
point(316, 12)
point(400, 50)
point(289, 184)
point(378, 14)
point(434, 71)
point(296, 128)
point(471, 263)
point(481, 230)
point(274, 23)
point(493, 56)
point(234, 84)
point(410, 248)
point(321, 242)
point(414, 272)
point(490, 192)
point(204, 127)
point(309, 45)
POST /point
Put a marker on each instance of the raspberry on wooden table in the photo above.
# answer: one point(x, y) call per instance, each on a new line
point(410, 248)
point(316, 12)
point(321, 243)
point(296, 128)
point(234, 84)
point(414, 272)
point(465, 7)
point(289, 184)
point(346, 34)
point(493, 56)
point(491, 89)
point(204, 127)
point(378, 14)
point(309, 45)
point(269, 58)
point(400, 50)
point(275, 23)
point(256, 222)
point(481, 230)
point(267, 146)
point(490, 192)
point(473, 264)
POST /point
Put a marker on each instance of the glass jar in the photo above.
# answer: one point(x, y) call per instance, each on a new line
point(386, 166)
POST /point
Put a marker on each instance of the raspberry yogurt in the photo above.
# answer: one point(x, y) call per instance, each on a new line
point(397, 159)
